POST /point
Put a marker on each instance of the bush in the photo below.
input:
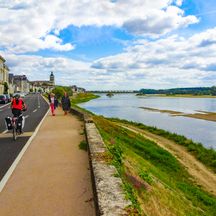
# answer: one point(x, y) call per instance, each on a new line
point(83, 145)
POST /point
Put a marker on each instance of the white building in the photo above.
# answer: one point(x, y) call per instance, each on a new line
point(43, 85)
point(77, 90)
point(20, 83)
point(3, 74)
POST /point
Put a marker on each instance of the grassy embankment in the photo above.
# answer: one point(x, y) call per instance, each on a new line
point(81, 98)
point(154, 180)
point(206, 156)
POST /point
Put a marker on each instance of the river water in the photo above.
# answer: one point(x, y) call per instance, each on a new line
point(127, 106)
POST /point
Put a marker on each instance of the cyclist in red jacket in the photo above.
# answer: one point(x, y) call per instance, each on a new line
point(17, 105)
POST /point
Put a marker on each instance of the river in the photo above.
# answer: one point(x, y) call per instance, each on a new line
point(127, 106)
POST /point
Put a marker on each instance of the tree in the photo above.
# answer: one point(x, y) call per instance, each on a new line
point(68, 90)
point(213, 90)
point(58, 91)
point(6, 88)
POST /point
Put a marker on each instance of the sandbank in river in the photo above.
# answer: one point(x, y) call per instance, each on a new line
point(209, 116)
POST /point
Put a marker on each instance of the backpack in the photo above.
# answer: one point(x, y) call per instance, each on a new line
point(20, 122)
point(8, 122)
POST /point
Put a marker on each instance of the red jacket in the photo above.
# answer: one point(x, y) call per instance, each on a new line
point(18, 106)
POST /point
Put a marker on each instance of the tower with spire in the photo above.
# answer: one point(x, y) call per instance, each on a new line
point(52, 78)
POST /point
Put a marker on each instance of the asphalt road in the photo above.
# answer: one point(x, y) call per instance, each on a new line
point(9, 149)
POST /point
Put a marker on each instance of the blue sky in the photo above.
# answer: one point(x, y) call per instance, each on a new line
point(122, 44)
point(204, 10)
point(95, 42)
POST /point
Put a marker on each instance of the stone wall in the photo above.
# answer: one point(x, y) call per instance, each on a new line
point(108, 193)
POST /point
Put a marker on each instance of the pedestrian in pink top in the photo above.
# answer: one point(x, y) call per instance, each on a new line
point(53, 103)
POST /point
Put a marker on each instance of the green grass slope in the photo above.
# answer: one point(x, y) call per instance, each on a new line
point(155, 182)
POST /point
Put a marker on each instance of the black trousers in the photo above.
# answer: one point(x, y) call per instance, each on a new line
point(16, 112)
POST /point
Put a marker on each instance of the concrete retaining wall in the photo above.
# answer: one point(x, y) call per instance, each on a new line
point(109, 196)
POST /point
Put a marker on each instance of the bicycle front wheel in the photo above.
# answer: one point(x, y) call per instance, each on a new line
point(14, 134)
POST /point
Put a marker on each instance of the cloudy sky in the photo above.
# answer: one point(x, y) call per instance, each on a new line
point(111, 44)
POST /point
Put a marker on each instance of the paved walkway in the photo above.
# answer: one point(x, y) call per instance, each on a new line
point(53, 177)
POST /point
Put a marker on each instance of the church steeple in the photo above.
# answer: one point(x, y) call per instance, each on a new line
point(52, 78)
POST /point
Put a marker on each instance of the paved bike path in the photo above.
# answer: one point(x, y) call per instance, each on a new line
point(9, 149)
point(53, 177)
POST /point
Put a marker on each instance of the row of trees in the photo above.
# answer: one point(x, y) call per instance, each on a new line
point(192, 91)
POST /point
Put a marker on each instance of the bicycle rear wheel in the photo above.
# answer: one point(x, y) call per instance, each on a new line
point(14, 134)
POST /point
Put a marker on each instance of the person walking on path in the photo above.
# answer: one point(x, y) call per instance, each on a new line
point(53, 103)
point(66, 104)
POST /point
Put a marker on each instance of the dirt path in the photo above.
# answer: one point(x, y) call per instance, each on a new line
point(202, 175)
point(53, 177)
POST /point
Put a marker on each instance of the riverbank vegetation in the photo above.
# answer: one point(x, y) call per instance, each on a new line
point(83, 97)
point(206, 156)
point(75, 97)
point(199, 91)
point(154, 180)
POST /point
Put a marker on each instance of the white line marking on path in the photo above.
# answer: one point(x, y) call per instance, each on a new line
point(38, 102)
point(25, 134)
point(5, 105)
point(6, 177)
point(26, 116)
point(35, 110)
point(4, 132)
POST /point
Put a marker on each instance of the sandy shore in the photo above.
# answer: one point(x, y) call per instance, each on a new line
point(176, 96)
point(209, 116)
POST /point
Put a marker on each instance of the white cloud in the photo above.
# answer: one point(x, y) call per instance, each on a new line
point(23, 23)
point(179, 2)
point(160, 21)
point(163, 63)
point(53, 42)
point(66, 71)
point(170, 61)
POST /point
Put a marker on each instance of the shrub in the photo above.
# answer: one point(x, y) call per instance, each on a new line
point(83, 145)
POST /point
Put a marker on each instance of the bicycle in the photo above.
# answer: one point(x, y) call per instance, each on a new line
point(16, 126)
